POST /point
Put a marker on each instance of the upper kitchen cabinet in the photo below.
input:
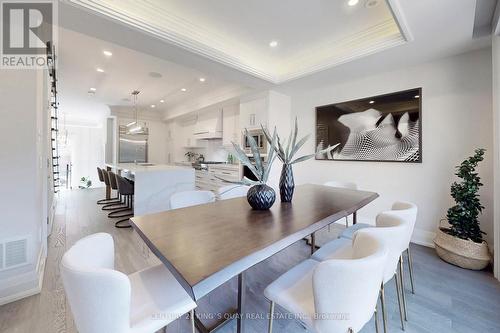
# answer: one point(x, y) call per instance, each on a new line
point(209, 124)
point(253, 111)
point(262, 109)
point(230, 125)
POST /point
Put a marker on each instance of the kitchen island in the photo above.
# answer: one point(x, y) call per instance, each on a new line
point(154, 184)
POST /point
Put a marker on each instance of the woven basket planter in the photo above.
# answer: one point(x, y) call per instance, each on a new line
point(461, 252)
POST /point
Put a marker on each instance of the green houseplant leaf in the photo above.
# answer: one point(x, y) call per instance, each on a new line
point(463, 217)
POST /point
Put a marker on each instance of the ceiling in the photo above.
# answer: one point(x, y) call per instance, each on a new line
point(426, 30)
point(80, 57)
point(310, 35)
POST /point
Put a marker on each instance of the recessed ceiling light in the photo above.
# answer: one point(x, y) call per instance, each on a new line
point(202, 79)
point(183, 89)
point(107, 53)
point(371, 102)
point(92, 89)
point(352, 2)
point(162, 101)
point(100, 70)
point(417, 96)
point(273, 43)
point(153, 106)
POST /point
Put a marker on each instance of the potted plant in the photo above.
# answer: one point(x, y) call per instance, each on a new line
point(260, 196)
point(190, 156)
point(286, 153)
point(85, 182)
point(461, 241)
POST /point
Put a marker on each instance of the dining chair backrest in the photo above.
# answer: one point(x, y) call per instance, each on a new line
point(191, 198)
point(392, 232)
point(341, 184)
point(408, 211)
point(346, 291)
point(99, 296)
point(232, 191)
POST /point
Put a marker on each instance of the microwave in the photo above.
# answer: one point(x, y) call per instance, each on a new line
point(260, 139)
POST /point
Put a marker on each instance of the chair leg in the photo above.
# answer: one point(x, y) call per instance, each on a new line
point(398, 292)
point(376, 318)
point(346, 222)
point(271, 317)
point(382, 303)
point(401, 278)
point(410, 268)
point(191, 316)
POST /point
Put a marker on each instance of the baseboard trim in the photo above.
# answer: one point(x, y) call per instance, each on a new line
point(33, 291)
point(423, 237)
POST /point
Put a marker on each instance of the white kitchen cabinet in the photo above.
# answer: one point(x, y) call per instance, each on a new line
point(231, 125)
point(253, 112)
point(213, 178)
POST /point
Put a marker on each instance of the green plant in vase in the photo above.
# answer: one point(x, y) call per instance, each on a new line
point(260, 196)
point(461, 243)
point(85, 182)
point(463, 217)
point(286, 153)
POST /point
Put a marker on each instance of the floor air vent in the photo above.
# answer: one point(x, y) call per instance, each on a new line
point(13, 253)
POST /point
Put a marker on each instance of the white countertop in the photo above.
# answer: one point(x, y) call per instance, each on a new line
point(148, 167)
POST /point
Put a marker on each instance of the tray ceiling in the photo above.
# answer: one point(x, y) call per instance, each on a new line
point(311, 35)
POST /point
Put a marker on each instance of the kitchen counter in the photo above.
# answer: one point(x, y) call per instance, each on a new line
point(155, 183)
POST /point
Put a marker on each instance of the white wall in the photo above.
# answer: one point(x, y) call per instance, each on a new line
point(23, 175)
point(496, 131)
point(456, 118)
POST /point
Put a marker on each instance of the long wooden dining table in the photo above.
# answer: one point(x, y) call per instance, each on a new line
point(205, 246)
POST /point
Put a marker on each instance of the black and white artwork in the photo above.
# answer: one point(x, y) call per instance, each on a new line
point(380, 128)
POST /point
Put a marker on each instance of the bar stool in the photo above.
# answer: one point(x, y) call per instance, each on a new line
point(126, 206)
point(100, 174)
point(113, 202)
point(126, 189)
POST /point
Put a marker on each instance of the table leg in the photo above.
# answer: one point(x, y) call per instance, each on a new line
point(240, 327)
point(354, 217)
point(313, 243)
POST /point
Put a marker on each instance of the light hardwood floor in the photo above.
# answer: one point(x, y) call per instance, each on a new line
point(447, 299)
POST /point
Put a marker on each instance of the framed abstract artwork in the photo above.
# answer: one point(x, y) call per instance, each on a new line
point(385, 128)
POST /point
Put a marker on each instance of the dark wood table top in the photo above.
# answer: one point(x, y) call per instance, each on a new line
point(206, 245)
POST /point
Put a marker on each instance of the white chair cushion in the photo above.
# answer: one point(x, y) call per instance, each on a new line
point(340, 248)
point(157, 299)
point(349, 232)
point(294, 291)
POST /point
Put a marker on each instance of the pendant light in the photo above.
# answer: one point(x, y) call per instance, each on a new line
point(134, 127)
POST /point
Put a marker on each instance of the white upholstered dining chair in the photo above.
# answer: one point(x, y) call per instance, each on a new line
point(232, 191)
point(392, 232)
point(191, 198)
point(334, 296)
point(104, 300)
point(346, 185)
point(341, 184)
point(405, 210)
